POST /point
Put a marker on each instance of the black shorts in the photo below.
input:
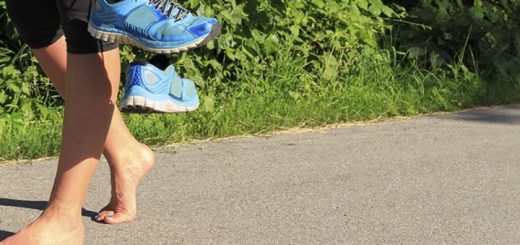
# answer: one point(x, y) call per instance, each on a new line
point(40, 23)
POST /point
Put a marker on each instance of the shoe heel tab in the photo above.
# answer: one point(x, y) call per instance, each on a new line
point(170, 69)
point(133, 76)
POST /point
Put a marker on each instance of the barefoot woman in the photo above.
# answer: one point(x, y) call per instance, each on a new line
point(86, 73)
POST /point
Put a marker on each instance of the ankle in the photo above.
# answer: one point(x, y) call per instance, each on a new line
point(63, 214)
point(124, 148)
point(132, 152)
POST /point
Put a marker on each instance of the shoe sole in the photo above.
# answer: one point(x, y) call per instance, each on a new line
point(139, 104)
point(121, 38)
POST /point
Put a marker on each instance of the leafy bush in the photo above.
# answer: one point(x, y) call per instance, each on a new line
point(325, 39)
point(483, 34)
point(255, 32)
point(284, 63)
point(329, 34)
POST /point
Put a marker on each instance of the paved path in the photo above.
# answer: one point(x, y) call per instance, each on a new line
point(451, 179)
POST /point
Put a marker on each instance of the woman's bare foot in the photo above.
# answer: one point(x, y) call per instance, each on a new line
point(126, 171)
point(54, 227)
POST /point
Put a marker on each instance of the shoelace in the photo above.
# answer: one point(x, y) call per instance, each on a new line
point(170, 9)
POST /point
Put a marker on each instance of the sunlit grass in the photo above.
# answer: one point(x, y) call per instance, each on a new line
point(286, 93)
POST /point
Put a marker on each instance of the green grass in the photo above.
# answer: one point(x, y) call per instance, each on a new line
point(286, 92)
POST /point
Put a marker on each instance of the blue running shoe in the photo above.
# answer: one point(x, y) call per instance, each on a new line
point(157, 26)
point(150, 89)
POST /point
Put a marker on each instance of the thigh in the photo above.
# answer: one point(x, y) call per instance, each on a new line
point(37, 21)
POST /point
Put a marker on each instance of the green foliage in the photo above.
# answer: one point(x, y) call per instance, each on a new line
point(298, 46)
point(255, 32)
point(26, 95)
point(285, 96)
point(284, 63)
point(482, 34)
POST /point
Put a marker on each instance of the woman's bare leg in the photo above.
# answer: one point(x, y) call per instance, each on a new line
point(128, 159)
point(92, 84)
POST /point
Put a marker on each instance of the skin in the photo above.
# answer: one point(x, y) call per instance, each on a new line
point(92, 125)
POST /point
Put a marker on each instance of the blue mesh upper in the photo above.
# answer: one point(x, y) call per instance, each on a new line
point(143, 22)
point(169, 82)
point(142, 17)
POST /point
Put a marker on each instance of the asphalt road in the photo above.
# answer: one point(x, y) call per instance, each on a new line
point(442, 179)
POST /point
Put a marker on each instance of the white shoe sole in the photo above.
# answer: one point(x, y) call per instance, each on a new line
point(139, 104)
point(114, 37)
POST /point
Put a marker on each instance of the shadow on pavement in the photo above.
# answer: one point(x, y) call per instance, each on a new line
point(40, 205)
point(509, 114)
point(5, 234)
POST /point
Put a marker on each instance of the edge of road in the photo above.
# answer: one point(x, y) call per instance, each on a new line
point(293, 130)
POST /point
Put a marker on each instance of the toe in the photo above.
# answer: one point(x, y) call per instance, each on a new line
point(118, 218)
point(103, 214)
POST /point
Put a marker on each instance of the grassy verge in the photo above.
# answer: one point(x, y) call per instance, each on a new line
point(285, 93)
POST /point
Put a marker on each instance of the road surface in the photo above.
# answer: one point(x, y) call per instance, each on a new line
point(440, 179)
